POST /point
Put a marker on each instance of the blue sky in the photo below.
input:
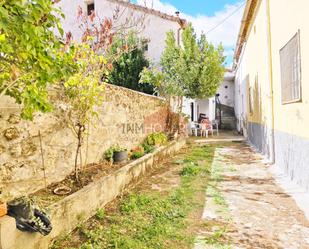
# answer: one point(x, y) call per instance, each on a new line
point(205, 7)
point(206, 15)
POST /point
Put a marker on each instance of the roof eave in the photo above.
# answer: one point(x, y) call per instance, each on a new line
point(246, 21)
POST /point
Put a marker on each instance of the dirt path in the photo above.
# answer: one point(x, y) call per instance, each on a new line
point(246, 208)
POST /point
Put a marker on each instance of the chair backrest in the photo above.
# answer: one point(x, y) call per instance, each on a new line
point(203, 126)
point(207, 124)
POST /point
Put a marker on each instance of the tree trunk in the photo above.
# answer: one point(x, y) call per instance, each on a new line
point(79, 144)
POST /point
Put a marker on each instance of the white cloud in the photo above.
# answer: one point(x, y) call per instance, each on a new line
point(226, 33)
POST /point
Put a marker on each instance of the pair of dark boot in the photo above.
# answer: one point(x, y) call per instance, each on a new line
point(29, 218)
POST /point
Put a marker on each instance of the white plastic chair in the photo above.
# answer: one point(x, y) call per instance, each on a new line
point(215, 124)
point(204, 130)
point(194, 128)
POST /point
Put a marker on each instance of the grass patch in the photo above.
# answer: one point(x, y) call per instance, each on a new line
point(150, 220)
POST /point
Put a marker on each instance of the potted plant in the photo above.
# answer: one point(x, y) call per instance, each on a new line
point(3, 209)
point(116, 154)
point(119, 154)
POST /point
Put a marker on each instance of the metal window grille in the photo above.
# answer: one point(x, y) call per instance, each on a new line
point(290, 63)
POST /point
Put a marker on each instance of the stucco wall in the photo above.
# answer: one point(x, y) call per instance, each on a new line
point(226, 90)
point(291, 121)
point(125, 117)
point(155, 27)
point(252, 84)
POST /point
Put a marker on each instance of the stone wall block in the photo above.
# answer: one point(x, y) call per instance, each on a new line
point(11, 133)
point(14, 118)
point(20, 152)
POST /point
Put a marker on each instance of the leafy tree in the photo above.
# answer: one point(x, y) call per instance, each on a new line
point(32, 57)
point(129, 64)
point(94, 57)
point(193, 70)
point(83, 92)
point(200, 65)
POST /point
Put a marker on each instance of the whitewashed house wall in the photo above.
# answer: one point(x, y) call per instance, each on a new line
point(156, 24)
point(208, 106)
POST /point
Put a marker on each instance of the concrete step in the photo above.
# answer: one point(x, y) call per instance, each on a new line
point(228, 123)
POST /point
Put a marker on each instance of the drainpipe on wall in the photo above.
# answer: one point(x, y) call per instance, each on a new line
point(272, 147)
point(181, 24)
point(180, 28)
point(178, 36)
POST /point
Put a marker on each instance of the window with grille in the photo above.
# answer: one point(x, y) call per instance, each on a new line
point(290, 63)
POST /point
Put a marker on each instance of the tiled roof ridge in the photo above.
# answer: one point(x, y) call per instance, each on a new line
point(150, 11)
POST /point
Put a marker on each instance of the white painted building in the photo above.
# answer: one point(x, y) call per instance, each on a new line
point(155, 25)
point(194, 107)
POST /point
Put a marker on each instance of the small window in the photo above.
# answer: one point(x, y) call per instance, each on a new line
point(90, 8)
point(290, 63)
point(144, 44)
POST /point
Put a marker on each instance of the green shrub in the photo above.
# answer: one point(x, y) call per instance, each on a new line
point(190, 170)
point(136, 155)
point(100, 214)
point(148, 148)
point(137, 152)
point(156, 138)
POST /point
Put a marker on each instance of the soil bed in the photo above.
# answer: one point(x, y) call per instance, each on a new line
point(89, 174)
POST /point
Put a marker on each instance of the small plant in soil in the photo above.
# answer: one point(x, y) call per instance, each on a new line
point(100, 214)
point(155, 139)
point(148, 148)
point(190, 170)
point(137, 152)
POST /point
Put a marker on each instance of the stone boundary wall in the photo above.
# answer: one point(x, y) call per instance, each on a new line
point(67, 213)
point(125, 118)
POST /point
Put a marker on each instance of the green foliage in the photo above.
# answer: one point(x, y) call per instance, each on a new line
point(129, 64)
point(100, 214)
point(148, 148)
point(193, 70)
point(137, 152)
point(109, 153)
point(84, 90)
point(155, 139)
point(32, 58)
point(190, 169)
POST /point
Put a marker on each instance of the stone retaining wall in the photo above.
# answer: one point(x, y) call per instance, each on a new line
point(70, 211)
point(125, 117)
